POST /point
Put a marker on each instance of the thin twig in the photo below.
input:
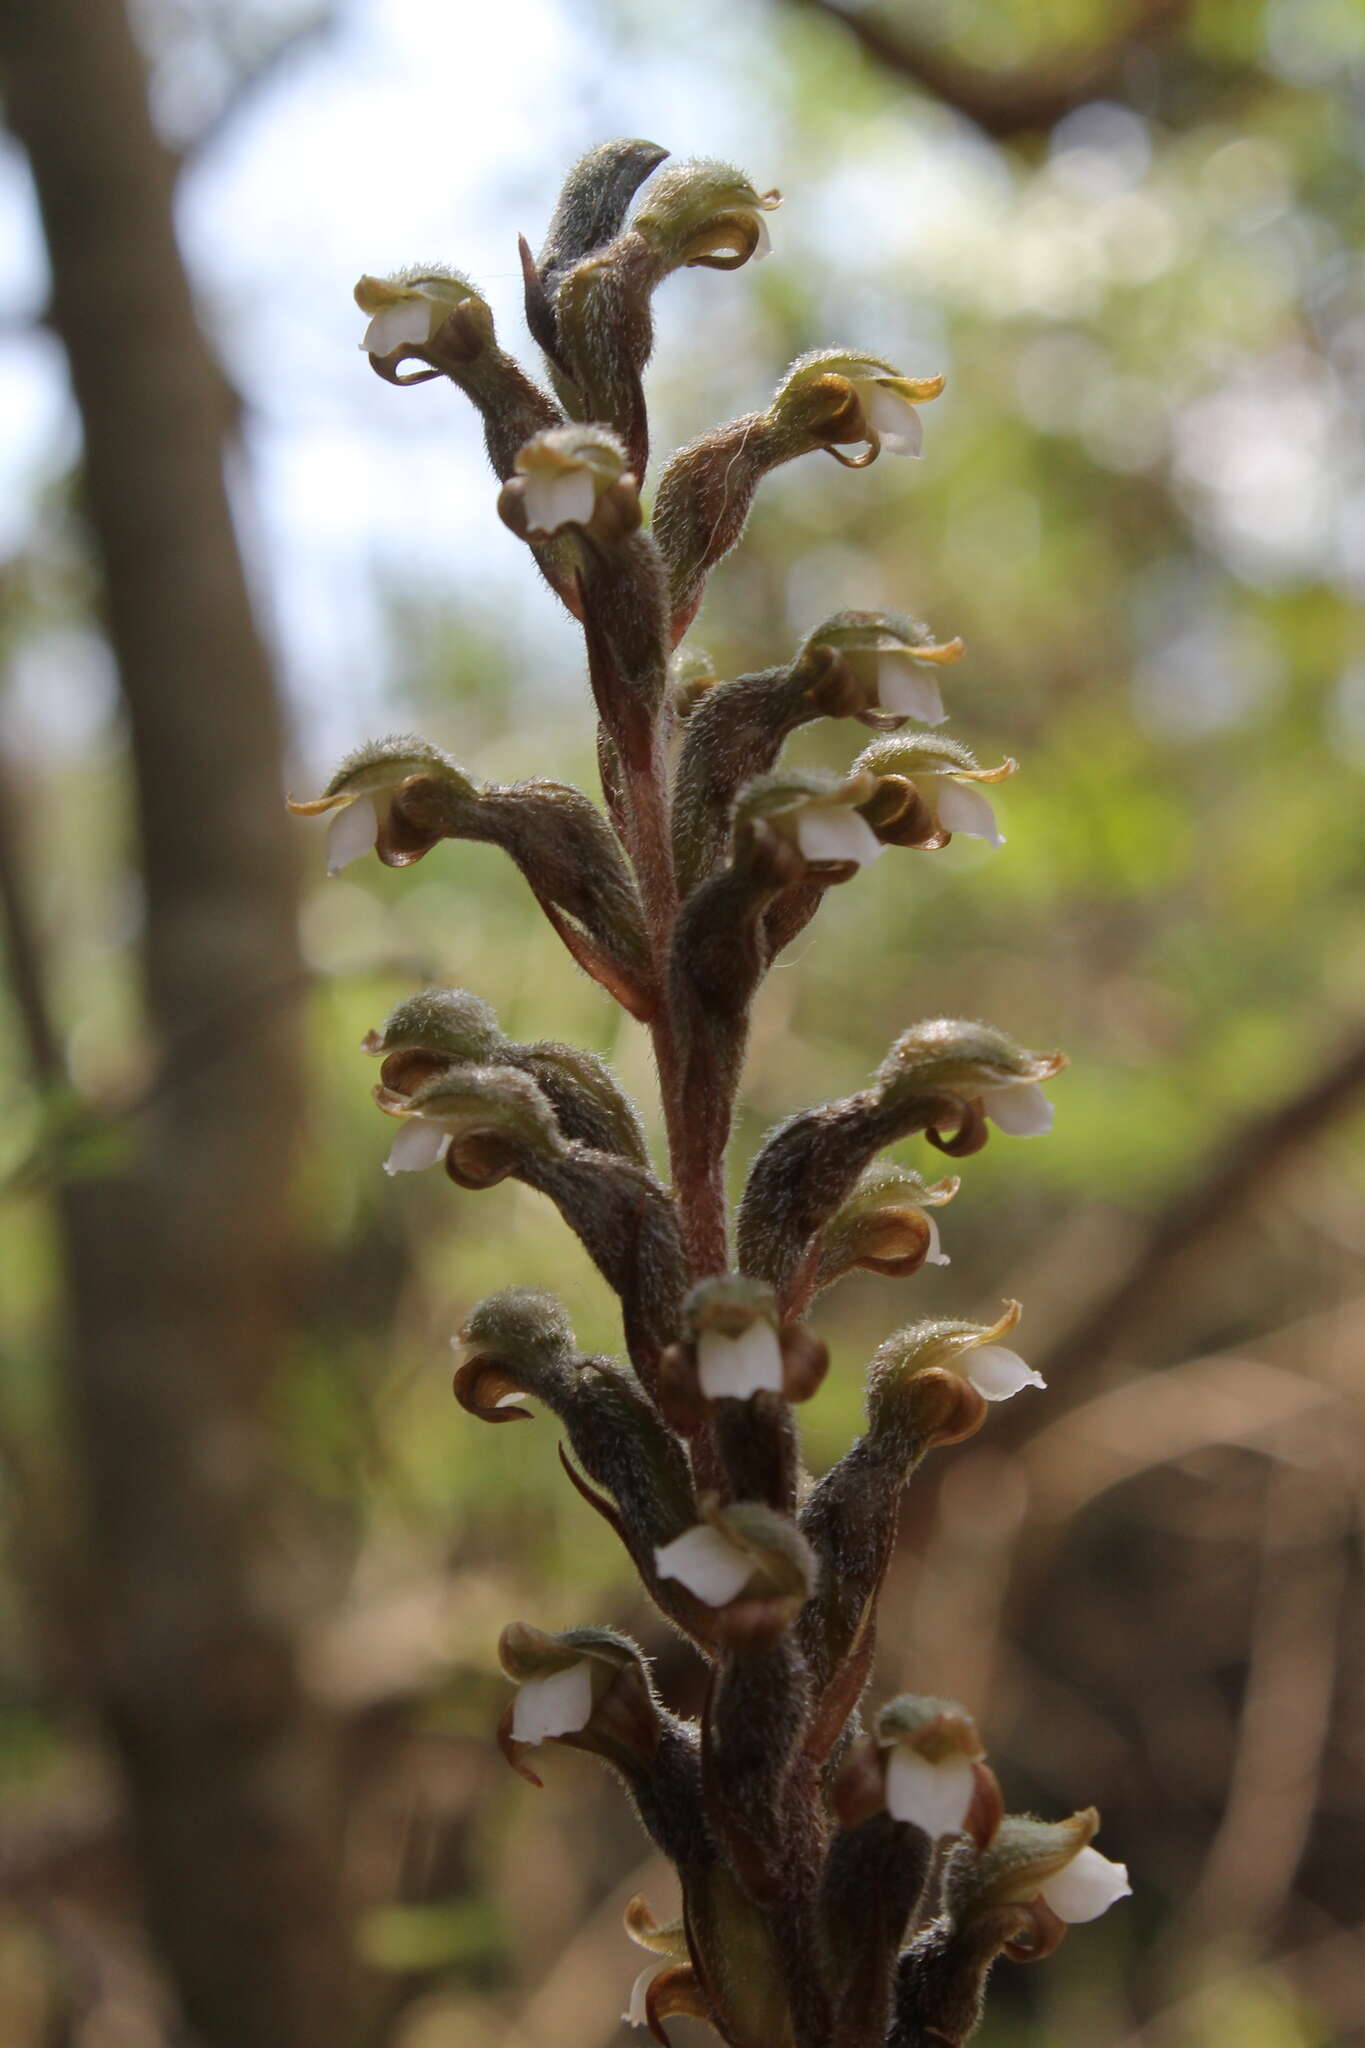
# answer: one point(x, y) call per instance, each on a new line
point(1181, 1234)
point(1018, 101)
point(23, 955)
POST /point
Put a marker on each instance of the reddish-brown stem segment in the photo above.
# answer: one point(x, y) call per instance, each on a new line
point(698, 1181)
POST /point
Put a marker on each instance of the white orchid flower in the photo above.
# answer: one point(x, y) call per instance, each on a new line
point(735, 1367)
point(418, 1144)
point(934, 1796)
point(826, 832)
point(558, 1705)
point(1022, 1111)
point(998, 1373)
point(707, 1563)
point(1086, 1887)
point(405, 312)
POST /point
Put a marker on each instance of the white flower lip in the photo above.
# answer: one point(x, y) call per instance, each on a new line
point(998, 1373)
point(1086, 1887)
point(827, 833)
point(558, 1705)
point(554, 501)
point(637, 2012)
point(1022, 1111)
point(736, 1367)
point(764, 245)
point(419, 1144)
point(903, 687)
point(892, 418)
point(352, 832)
point(935, 1797)
point(935, 1256)
point(706, 1562)
point(409, 322)
point(962, 808)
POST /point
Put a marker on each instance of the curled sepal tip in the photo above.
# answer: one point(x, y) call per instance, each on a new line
point(664, 1991)
point(514, 1344)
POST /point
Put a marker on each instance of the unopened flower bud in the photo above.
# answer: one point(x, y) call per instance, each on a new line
point(704, 213)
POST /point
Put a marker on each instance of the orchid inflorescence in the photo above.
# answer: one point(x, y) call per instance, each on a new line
point(840, 1884)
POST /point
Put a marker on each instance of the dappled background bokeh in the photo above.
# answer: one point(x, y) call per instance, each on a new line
point(1131, 239)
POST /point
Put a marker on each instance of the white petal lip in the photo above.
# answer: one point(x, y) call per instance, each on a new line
point(934, 1797)
point(962, 808)
point(1086, 1887)
point(935, 1256)
point(410, 321)
point(554, 501)
point(903, 687)
point(999, 1373)
point(837, 834)
point(558, 1705)
point(418, 1145)
point(352, 832)
point(1022, 1111)
point(706, 1562)
point(764, 245)
point(739, 1366)
point(637, 2013)
point(892, 418)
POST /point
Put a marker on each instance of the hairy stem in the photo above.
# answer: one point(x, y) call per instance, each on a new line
point(698, 1175)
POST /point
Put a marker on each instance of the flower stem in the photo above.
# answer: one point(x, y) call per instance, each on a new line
point(698, 1180)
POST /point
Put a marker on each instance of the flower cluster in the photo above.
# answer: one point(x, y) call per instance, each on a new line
point(838, 1886)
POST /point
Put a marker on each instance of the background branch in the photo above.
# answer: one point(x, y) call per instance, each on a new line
point(1006, 103)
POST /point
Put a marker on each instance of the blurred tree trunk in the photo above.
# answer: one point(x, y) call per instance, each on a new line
point(180, 1261)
